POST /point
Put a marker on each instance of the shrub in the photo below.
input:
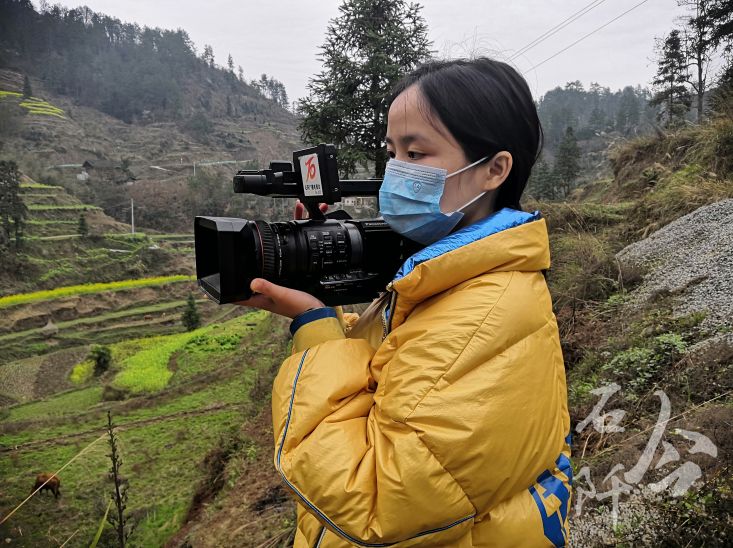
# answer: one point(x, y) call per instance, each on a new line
point(641, 365)
point(101, 356)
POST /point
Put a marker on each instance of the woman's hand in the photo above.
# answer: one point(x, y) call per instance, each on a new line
point(279, 299)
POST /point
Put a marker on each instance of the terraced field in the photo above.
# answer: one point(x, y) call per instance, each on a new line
point(166, 430)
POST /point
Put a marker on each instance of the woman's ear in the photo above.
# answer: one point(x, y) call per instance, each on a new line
point(497, 170)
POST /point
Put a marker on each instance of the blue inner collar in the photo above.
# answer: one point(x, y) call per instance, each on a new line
point(496, 222)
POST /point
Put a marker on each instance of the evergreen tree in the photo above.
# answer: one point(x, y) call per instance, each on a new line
point(672, 94)
point(368, 47)
point(627, 116)
point(27, 90)
point(230, 63)
point(721, 16)
point(567, 164)
point(699, 46)
point(191, 318)
point(13, 211)
point(208, 55)
point(542, 181)
point(82, 229)
point(597, 121)
point(240, 73)
point(272, 89)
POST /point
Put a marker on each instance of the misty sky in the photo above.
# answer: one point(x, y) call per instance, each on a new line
point(282, 37)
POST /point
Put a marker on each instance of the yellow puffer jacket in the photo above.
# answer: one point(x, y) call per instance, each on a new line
point(440, 417)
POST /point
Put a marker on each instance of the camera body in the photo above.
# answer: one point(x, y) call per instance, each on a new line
point(335, 258)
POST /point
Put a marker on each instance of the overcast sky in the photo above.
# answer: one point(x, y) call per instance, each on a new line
point(282, 37)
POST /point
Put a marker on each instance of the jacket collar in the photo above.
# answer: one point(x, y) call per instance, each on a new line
point(507, 239)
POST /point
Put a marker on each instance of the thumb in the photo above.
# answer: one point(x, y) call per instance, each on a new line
point(260, 285)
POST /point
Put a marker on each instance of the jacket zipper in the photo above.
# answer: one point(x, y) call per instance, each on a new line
point(320, 537)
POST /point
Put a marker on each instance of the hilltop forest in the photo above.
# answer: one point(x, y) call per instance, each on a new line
point(121, 69)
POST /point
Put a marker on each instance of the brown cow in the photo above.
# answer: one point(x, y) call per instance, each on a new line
point(52, 483)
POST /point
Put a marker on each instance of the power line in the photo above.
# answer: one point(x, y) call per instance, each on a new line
point(79, 454)
point(589, 34)
point(554, 30)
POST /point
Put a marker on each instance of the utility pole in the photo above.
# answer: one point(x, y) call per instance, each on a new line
point(132, 214)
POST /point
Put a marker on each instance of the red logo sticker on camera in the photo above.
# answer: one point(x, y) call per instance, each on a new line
point(311, 173)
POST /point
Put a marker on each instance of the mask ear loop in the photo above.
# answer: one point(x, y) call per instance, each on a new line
point(468, 166)
point(461, 171)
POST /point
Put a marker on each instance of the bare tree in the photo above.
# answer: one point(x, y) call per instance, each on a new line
point(699, 47)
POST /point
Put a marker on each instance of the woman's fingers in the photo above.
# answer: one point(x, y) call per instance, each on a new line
point(279, 299)
point(301, 213)
point(258, 301)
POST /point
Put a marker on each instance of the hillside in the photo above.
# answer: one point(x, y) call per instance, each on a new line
point(178, 435)
point(152, 163)
point(642, 291)
point(55, 253)
point(117, 112)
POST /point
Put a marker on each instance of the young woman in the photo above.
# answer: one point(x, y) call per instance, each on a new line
point(439, 416)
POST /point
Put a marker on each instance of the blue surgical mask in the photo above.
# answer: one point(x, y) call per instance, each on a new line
point(409, 200)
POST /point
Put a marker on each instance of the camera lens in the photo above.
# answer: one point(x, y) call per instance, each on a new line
point(340, 262)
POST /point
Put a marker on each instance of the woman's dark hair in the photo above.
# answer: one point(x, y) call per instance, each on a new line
point(487, 107)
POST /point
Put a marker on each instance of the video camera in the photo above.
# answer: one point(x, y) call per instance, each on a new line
point(333, 257)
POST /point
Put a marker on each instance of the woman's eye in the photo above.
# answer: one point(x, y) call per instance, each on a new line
point(391, 153)
point(412, 155)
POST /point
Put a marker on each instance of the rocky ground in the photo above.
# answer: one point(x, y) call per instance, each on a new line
point(689, 259)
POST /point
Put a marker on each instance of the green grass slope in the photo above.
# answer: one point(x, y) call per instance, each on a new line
point(208, 386)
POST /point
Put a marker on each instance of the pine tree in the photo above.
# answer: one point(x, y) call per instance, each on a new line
point(83, 229)
point(13, 211)
point(230, 63)
point(240, 73)
point(191, 318)
point(27, 91)
point(368, 47)
point(567, 164)
point(670, 80)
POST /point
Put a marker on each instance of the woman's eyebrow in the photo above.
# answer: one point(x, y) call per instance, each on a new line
point(406, 139)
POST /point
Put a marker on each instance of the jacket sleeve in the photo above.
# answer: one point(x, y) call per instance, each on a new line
point(364, 474)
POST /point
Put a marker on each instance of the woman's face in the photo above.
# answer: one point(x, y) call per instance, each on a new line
point(412, 138)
